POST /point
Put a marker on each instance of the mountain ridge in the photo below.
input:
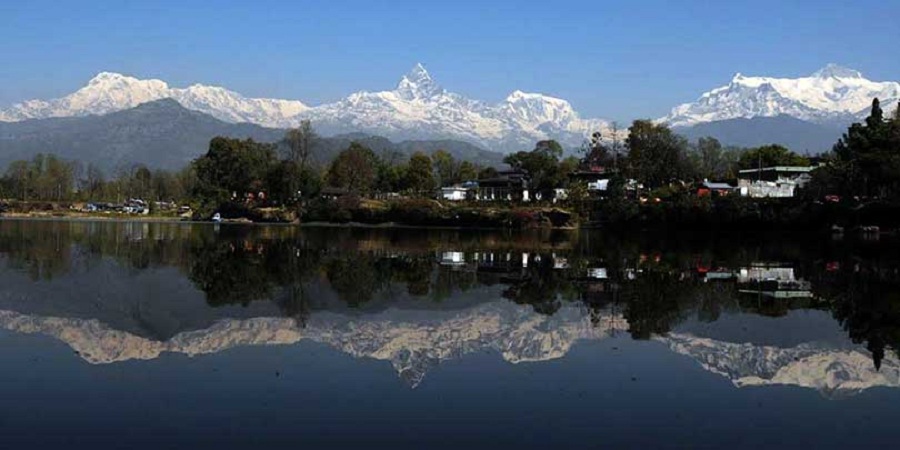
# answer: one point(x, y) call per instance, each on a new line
point(418, 108)
point(165, 134)
point(831, 95)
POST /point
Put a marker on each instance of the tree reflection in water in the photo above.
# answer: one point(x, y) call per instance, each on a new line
point(655, 283)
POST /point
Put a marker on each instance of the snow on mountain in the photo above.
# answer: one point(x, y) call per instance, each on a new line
point(412, 343)
point(415, 343)
point(418, 108)
point(110, 92)
point(832, 371)
point(833, 94)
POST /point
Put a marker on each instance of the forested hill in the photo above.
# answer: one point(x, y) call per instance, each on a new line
point(165, 135)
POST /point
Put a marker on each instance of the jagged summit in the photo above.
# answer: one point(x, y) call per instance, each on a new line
point(417, 83)
point(418, 108)
point(832, 70)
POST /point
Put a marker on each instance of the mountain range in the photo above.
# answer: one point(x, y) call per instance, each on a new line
point(806, 113)
point(415, 344)
point(417, 109)
point(831, 95)
point(164, 134)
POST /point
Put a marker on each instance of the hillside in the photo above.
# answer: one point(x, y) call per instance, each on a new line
point(164, 134)
point(798, 135)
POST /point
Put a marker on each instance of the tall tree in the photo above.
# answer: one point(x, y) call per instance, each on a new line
point(420, 178)
point(468, 171)
point(354, 169)
point(542, 164)
point(299, 143)
point(656, 155)
point(232, 166)
point(446, 167)
point(866, 160)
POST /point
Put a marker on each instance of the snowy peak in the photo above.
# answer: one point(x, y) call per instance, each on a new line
point(538, 108)
point(832, 70)
point(419, 108)
point(109, 92)
point(831, 95)
point(418, 84)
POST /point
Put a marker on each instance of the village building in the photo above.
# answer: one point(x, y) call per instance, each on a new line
point(458, 192)
point(508, 185)
point(773, 182)
point(711, 189)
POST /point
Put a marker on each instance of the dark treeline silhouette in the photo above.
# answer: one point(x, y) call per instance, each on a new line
point(657, 283)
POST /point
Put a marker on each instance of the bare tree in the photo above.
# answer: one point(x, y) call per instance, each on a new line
point(299, 142)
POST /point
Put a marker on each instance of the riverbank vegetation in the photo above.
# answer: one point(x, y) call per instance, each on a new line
point(651, 181)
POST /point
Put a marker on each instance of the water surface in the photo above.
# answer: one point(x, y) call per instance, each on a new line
point(157, 335)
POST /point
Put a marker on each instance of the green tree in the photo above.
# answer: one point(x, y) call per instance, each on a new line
point(596, 154)
point(542, 165)
point(446, 167)
point(866, 160)
point(770, 156)
point(20, 179)
point(232, 166)
point(656, 155)
point(354, 169)
point(419, 176)
point(468, 171)
point(283, 179)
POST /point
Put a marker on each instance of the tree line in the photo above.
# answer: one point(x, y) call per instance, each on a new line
point(865, 162)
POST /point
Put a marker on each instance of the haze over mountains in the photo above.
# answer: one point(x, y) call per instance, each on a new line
point(807, 114)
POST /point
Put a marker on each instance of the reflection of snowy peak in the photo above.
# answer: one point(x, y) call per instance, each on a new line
point(831, 95)
point(418, 108)
point(416, 341)
point(812, 366)
point(411, 341)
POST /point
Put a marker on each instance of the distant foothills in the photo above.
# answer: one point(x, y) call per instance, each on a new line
point(653, 177)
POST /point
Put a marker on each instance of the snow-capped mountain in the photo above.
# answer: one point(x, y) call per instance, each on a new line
point(831, 95)
point(414, 343)
point(110, 92)
point(418, 108)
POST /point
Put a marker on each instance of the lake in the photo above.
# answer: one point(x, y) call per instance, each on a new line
point(171, 335)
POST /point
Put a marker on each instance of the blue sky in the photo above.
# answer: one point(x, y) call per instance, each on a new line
point(618, 60)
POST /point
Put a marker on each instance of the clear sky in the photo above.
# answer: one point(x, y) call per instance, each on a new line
point(617, 60)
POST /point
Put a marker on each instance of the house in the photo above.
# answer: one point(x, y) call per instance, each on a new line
point(773, 182)
point(508, 185)
point(772, 280)
point(458, 192)
point(596, 178)
point(709, 189)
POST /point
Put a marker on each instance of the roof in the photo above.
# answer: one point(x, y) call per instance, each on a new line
point(790, 169)
point(710, 185)
point(502, 182)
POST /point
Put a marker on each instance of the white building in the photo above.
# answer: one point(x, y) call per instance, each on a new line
point(454, 193)
point(773, 182)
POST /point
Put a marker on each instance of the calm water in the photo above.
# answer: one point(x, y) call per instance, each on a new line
point(132, 335)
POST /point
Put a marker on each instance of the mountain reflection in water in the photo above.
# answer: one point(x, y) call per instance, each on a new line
point(763, 312)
